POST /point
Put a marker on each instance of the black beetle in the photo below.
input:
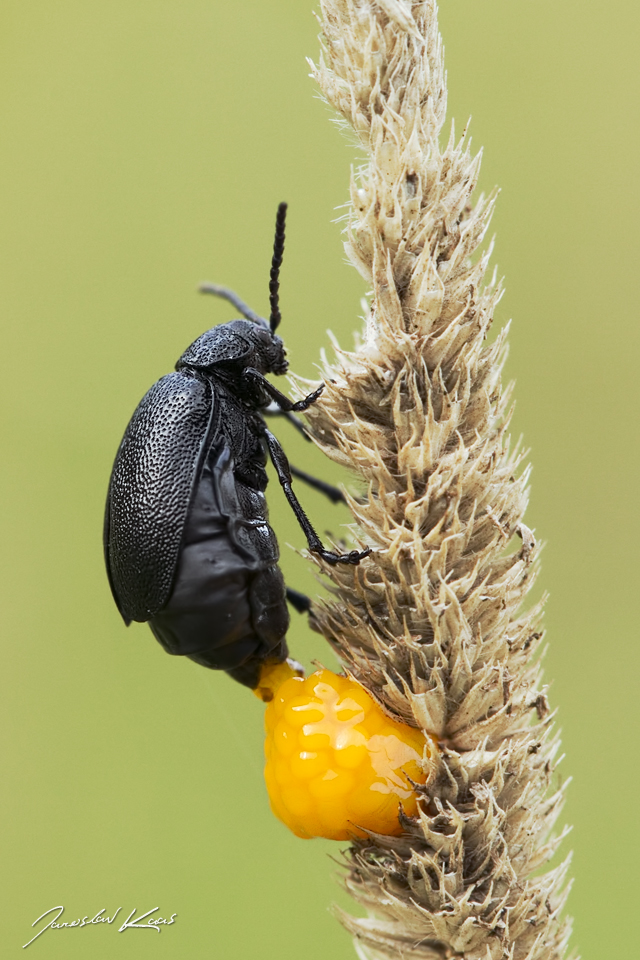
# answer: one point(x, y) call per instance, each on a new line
point(187, 544)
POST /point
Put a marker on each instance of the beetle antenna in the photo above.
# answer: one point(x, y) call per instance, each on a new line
point(276, 262)
point(233, 298)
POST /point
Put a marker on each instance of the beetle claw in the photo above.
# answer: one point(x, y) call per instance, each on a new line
point(356, 556)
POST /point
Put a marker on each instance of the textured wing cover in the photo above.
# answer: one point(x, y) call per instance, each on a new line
point(150, 491)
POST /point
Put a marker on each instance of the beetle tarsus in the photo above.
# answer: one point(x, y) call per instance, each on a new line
point(308, 400)
point(354, 557)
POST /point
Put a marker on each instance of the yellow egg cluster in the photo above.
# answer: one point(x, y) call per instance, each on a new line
point(336, 763)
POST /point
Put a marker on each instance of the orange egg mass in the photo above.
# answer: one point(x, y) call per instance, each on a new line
point(336, 763)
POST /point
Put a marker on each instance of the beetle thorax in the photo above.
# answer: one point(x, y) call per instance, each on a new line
point(232, 347)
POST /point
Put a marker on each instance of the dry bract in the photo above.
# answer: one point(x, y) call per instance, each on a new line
point(429, 622)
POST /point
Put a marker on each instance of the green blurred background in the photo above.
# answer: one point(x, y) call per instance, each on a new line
point(145, 145)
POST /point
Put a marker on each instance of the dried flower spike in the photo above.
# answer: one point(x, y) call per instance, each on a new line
point(429, 624)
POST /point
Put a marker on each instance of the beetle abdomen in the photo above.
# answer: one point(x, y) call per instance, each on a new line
point(227, 609)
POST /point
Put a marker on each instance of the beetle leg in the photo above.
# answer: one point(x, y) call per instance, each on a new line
point(275, 411)
point(233, 298)
point(299, 601)
point(297, 423)
point(254, 376)
point(281, 464)
point(334, 494)
point(308, 400)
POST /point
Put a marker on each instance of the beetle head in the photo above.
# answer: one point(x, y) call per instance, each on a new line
point(269, 352)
